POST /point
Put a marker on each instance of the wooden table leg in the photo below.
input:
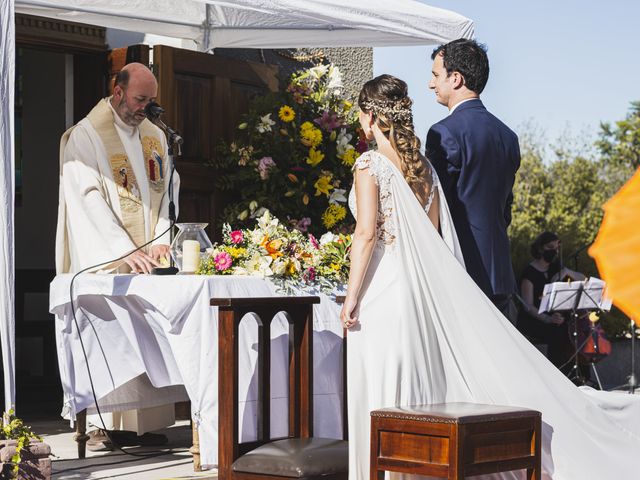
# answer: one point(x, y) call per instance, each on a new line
point(195, 448)
point(81, 436)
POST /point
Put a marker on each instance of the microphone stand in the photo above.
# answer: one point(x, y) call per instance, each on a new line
point(174, 146)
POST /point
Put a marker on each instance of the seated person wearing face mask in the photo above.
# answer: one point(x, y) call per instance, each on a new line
point(546, 328)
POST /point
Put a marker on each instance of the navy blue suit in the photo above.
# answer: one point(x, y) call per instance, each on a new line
point(476, 157)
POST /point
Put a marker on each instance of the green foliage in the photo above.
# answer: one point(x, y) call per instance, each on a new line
point(14, 429)
point(620, 145)
point(564, 192)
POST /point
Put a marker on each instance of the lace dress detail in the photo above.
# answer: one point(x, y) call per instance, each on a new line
point(382, 171)
point(435, 184)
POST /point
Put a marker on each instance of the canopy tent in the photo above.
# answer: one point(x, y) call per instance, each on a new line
point(7, 189)
point(210, 23)
point(267, 23)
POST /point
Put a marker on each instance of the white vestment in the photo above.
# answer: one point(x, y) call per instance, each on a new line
point(427, 334)
point(90, 231)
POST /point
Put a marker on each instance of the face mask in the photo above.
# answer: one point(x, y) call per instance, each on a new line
point(549, 255)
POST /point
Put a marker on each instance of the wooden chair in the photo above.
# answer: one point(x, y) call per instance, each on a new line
point(300, 455)
point(455, 440)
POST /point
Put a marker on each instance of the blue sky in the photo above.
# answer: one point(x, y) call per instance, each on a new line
point(563, 65)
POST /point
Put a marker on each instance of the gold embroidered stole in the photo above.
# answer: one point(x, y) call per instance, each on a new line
point(131, 207)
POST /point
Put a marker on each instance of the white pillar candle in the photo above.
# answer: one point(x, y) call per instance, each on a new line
point(190, 255)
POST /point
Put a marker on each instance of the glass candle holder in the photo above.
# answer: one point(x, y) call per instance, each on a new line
point(189, 246)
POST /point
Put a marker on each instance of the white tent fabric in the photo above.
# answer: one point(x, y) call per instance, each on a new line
point(267, 23)
point(7, 188)
point(211, 23)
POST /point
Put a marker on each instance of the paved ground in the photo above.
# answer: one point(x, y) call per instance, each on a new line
point(172, 462)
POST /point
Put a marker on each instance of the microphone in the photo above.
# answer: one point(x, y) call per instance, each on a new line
point(153, 112)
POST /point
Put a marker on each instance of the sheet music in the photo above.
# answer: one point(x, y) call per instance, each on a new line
point(562, 296)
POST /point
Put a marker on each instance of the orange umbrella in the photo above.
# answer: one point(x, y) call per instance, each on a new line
point(616, 249)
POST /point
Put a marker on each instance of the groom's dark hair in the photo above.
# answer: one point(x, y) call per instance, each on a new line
point(467, 57)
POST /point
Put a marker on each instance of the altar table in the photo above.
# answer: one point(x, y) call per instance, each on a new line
point(150, 338)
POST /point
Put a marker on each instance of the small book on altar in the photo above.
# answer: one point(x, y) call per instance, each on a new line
point(565, 296)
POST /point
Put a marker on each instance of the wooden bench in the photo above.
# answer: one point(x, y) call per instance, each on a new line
point(455, 440)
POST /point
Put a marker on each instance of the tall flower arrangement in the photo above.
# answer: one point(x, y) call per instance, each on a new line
point(293, 155)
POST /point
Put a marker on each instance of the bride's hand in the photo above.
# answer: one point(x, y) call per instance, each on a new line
point(348, 315)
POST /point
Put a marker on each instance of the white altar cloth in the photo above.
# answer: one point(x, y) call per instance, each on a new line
point(164, 327)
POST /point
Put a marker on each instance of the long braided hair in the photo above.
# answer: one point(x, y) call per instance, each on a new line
point(386, 98)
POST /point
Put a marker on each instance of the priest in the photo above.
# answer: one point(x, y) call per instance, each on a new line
point(114, 179)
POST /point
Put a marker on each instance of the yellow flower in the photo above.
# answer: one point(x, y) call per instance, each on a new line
point(349, 157)
point(236, 252)
point(333, 214)
point(286, 113)
point(347, 105)
point(292, 268)
point(305, 199)
point(315, 157)
point(310, 135)
point(323, 185)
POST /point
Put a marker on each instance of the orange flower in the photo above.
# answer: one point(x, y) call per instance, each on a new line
point(272, 246)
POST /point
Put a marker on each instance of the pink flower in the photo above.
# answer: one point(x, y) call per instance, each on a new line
point(237, 237)
point(309, 275)
point(303, 224)
point(222, 261)
point(328, 121)
point(264, 165)
point(314, 242)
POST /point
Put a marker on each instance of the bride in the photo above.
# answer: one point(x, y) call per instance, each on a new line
point(422, 332)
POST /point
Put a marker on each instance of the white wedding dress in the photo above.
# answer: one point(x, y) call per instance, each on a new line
point(427, 334)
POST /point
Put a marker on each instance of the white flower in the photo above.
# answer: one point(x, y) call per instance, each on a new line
point(319, 71)
point(267, 223)
point(256, 236)
point(265, 123)
point(279, 267)
point(335, 80)
point(337, 196)
point(259, 265)
point(342, 142)
point(328, 238)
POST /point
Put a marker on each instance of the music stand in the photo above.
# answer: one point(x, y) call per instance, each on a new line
point(570, 297)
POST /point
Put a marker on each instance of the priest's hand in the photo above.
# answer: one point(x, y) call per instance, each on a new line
point(160, 253)
point(140, 262)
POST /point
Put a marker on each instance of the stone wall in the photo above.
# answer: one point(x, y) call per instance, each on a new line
point(356, 64)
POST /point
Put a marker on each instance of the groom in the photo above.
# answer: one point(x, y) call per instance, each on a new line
point(476, 157)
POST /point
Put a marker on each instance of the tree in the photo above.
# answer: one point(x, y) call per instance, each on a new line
point(620, 146)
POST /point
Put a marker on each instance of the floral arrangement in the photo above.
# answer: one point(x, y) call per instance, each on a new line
point(293, 155)
point(290, 258)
